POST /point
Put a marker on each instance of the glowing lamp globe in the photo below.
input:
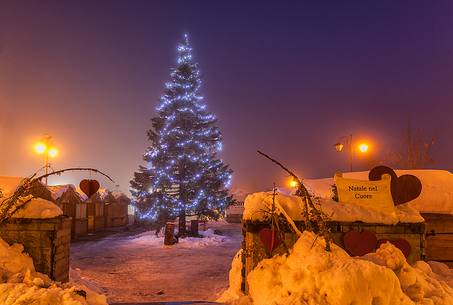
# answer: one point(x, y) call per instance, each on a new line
point(339, 147)
point(40, 148)
point(293, 183)
point(53, 152)
point(363, 147)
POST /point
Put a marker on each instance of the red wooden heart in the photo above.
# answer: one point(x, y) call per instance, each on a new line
point(404, 188)
point(89, 187)
point(400, 243)
point(270, 239)
point(360, 243)
point(381, 241)
point(403, 245)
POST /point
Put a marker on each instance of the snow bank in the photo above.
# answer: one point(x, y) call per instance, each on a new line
point(234, 292)
point(209, 239)
point(38, 208)
point(436, 195)
point(257, 203)
point(21, 284)
point(310, 275)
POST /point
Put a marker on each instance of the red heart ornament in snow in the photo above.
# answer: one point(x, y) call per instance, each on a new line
point(270, 239)
point(400, 243)
point(89, 187)
point(360, 243)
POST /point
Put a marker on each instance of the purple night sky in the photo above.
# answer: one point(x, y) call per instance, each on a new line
point(286, 78)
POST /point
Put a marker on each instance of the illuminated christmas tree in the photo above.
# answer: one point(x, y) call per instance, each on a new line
point(184, 175)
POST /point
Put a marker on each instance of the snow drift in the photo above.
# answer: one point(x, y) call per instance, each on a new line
point(309, 275)
point(21, 284)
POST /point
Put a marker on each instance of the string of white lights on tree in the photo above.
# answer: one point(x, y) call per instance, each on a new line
point(183, 175)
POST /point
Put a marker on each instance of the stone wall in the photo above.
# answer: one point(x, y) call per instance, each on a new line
point(47, 241)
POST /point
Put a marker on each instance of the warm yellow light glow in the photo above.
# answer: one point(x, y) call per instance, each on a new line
point(40, 148)
point(53, 152)
point(292, 183)
point(364, 147)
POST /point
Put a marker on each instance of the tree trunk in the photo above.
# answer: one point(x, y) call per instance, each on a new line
point(182, 223)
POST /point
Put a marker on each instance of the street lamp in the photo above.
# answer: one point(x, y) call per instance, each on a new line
point(347, 140)
point(340, 145)
point(292, 183)
point(45, 147)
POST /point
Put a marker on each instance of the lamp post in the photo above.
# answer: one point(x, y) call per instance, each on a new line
point(339, 147)
point(45, 147)
point(347, 140)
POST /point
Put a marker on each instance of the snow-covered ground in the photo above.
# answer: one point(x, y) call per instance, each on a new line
point(138, 268)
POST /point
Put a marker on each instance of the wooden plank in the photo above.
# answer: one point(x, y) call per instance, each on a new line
point(439, 223)
point(439, 247)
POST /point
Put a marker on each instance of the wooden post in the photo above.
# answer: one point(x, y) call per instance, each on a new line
point(182, 224)
point(194, 227)
point(169, 238)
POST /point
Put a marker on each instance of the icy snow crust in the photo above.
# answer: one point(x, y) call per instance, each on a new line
point(20, 284)
point(309, 275)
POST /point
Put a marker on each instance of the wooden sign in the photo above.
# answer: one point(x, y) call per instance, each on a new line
point(370, 194)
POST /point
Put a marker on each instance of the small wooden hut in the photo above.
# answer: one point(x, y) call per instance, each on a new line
point(116, 209)
point(95, 212)
point(72, 205)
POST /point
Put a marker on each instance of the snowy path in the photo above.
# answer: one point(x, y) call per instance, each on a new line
point(139, 269)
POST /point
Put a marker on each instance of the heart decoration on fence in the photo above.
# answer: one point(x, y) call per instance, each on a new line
point(360, 243)
point(270, 239)
point(404, 188)
point(89, 187)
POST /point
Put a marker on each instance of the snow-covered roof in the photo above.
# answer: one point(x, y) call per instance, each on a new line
point(436, 195)
point(38, 208)
point(118, 195)
point(58, 190)
point(336, 211)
